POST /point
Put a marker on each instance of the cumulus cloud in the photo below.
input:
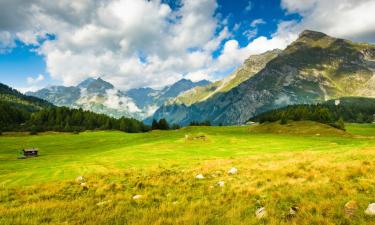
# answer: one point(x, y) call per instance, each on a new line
point(134, 43)
point(249, 6)
point(353, 19)
point(36, 80)
point(257, 22)
point(115, 101)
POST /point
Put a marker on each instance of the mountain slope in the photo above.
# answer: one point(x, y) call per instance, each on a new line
point(101, 96)
point(251, 66)
point(95, 95)
point(314, 68)
point(349, 109)
point(16, 108)
point(13, 97)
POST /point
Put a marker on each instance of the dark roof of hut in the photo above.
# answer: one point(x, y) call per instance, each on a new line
point(30, 150)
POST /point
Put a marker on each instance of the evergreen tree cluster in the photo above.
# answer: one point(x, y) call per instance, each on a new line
point(334, 113)
point(11, 117)
point(69, 120)
point(63, 119)
point(19, 112)
point(162, 124)
point(197, 123)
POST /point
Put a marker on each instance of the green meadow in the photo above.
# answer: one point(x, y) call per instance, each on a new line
point(311, 167)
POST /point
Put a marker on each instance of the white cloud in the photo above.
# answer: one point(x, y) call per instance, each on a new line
point(198, 75)
point(249, 6)
point(36, 80)
point(115, 101)
point(133, 43)
point(6, 41)
point(353, 19)
point(257, 22)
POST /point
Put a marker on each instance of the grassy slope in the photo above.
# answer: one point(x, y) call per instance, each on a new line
point(318, 174)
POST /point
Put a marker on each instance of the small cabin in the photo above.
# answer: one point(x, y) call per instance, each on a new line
point(32, 152)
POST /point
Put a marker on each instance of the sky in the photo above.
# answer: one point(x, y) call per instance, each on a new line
point(139, 43)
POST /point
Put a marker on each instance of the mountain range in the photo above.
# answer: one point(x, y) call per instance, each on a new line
point(100, 96)
point(314, 68)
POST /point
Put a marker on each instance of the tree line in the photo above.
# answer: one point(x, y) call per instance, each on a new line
point(63, 119)
point(162, 124)
point(334, 112)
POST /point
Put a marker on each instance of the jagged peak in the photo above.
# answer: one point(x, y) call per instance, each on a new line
point(312, 34)
point(98, 81)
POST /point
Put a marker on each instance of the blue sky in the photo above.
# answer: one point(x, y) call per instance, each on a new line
point(174, 39)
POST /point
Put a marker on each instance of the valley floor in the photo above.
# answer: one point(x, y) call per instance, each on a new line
point(150, 178)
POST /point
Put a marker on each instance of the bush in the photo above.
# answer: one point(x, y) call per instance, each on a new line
point(283, 120)
point(34, 132)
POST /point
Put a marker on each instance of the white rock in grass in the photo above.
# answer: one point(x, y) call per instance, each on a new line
point(232, 170)
point(80, 179)
point(135, 197)
point(370, 209)
point(199, 176)
point(221, 183)
point(84, 186)
point(261, 213)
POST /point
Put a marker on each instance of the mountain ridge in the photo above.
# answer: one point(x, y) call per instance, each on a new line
point(314, 68)
point(100, 96)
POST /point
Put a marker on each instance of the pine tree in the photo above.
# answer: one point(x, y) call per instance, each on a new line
point(163, 124)
point(155, 125)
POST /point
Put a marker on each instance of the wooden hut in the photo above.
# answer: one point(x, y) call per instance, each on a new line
point(31, 152)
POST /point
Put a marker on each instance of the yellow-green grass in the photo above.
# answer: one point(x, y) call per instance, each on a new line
point(318, 174)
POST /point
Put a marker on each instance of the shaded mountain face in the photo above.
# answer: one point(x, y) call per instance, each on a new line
point(314, 68)
point(14, 98)
point(101, 96)
point(150, 99)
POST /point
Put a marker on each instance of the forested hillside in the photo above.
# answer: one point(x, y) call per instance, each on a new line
point(333, 112)
point(19, 112)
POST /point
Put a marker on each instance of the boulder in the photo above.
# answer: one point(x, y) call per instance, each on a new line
point(84, 186)
point(199, 176)
point(261, 213)
point(221, 183)
point(80, 179)
point(370, 209)
point(135, 197)
point(232, 170)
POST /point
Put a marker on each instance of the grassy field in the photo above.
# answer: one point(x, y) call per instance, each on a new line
point(306, 165)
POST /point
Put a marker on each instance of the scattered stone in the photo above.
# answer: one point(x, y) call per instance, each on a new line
point(232, 170)
point(350, 208)
point(84, 186)
point(221, 183)
point(103, 203)
point(80, 179)
point(135, 197)
point(261, 213)
point(199, 176)
point(370, 209)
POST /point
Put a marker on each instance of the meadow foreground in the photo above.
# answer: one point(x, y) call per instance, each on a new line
point(300, 173)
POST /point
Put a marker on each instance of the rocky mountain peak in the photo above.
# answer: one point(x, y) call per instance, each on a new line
point(95, 85)
point(312, 34)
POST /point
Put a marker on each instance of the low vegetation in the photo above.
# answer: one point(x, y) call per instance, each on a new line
point(151, 178)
